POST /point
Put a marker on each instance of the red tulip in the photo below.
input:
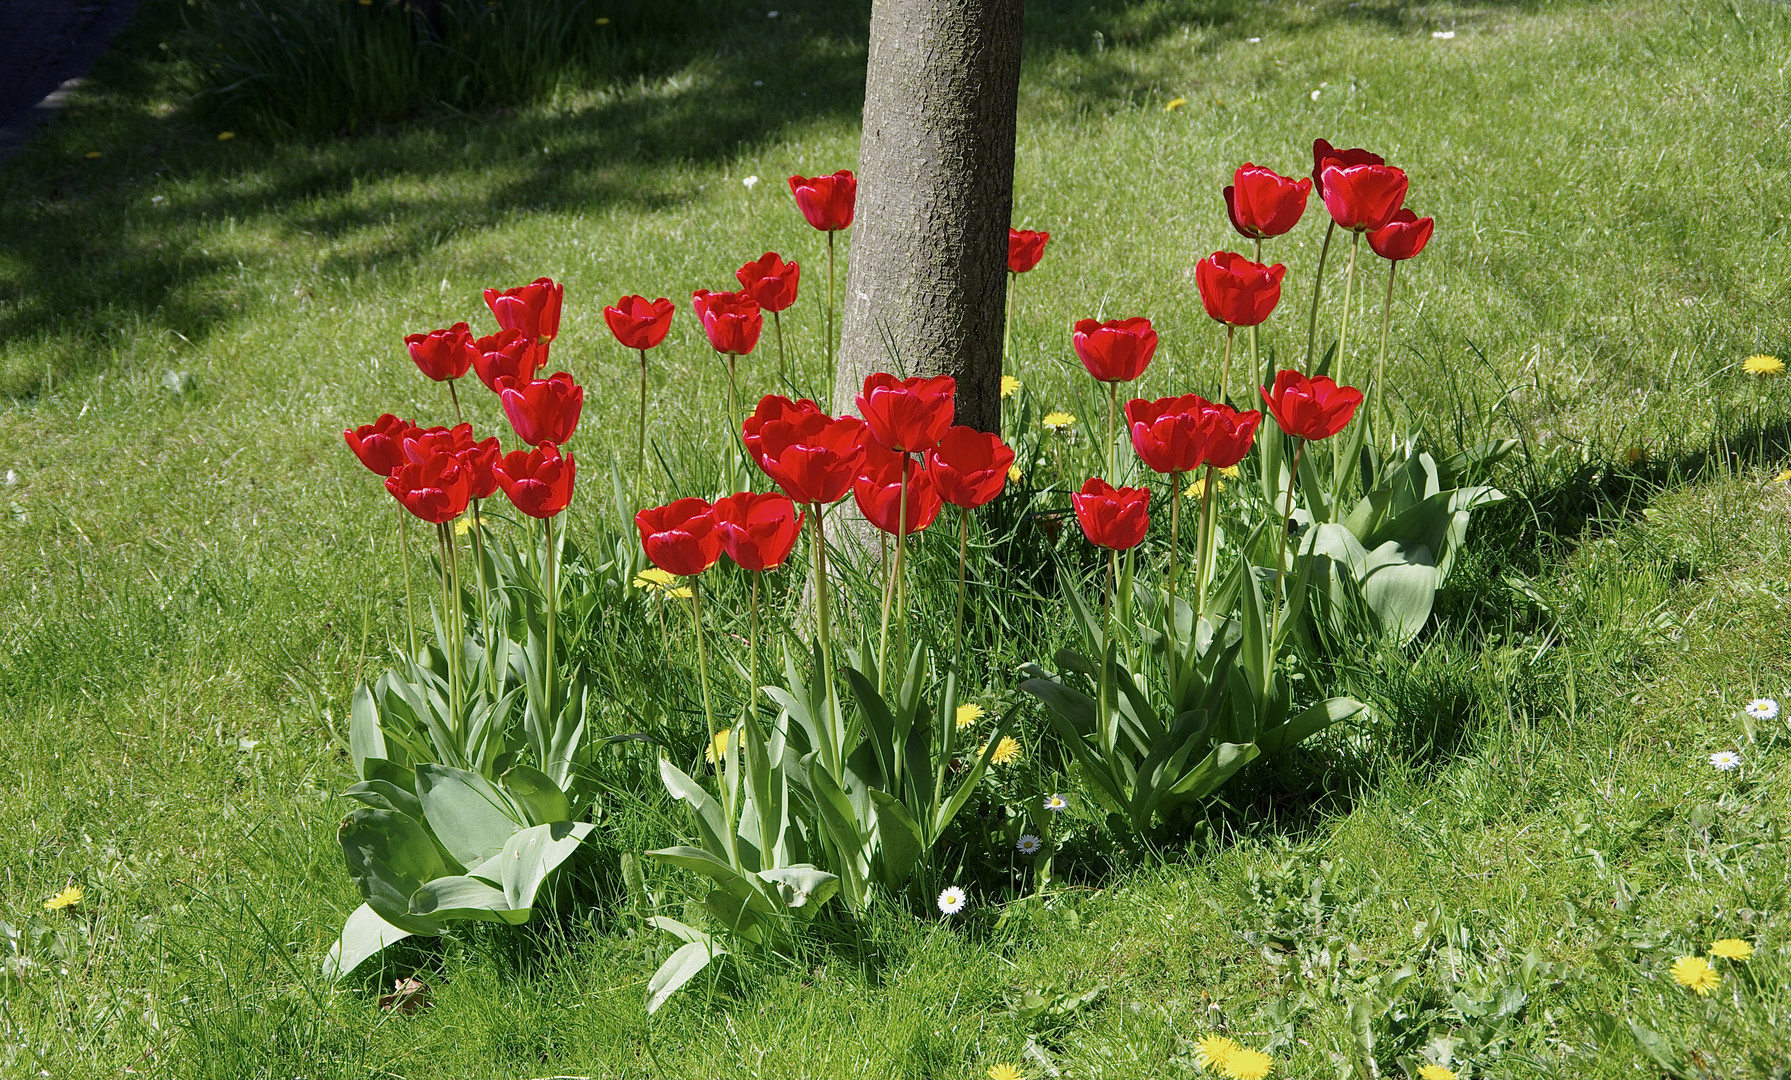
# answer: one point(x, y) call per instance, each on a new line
point(812, 456)
point(639, 323)
point(1112, 517)
point(1403, 237)
point(1364, 197)
point(539, 481)
point(969, 466)
point(507, 355)
point(770, 281)
point(775, 407)
point(1323, 154)
point(533, 310)
point(680, 537)
point(826, 201)
point(907, 414)
point(1229, 435)
point(1169, 434)
point(443, 354)
point(731, 319)
point(380, 445)
point(478, 455)
point(1117, 350)
point(435, 489)
point(878, 491)
point(1024, 249)
point(1235, 290)
point(543, 410)
point(1310, 408)
point(758, 529)
point(1263, 203)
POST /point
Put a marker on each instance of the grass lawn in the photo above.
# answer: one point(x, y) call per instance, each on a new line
point(1496, 870)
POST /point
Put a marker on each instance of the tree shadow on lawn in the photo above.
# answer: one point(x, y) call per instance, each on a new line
point(110, 249)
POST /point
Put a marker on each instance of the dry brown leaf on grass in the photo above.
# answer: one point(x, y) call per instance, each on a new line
point(407, 996)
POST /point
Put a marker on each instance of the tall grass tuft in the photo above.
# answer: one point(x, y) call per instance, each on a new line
point(320, 67)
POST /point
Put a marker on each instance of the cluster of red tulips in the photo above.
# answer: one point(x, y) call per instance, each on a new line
point(436, 472)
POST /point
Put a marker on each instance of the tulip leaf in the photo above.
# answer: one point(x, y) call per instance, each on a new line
point(802, 888)
point(389, 857)
point(365, 737)
point(467, 812)
point(711, 825)
point(461, 896)
point(1401, 584)
point(1309, 723)
point(682, 966)
point(363, 936)
point(385, 795)
point(538, 794)
point(899, 843)
point(532, 854)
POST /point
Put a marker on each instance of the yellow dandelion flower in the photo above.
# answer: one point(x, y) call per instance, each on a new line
point(602, 20)
point(656, 579)
point(969, 714)
point(717, 746)
point(1761, 364)
point(1014, 474)
point(1197, 489)
point(1428, 1071)
point(67, 898)
point(1731, 948)
point(94, 155)
point(1214, 1052)
point(1246, 1064)
point(1695, 973)
point(1231, 472)
point(1005, 1071)
point(464, 524)
point(682, 592)
point(1174, 104)
point(1058, 421)
point(1006, 751)
point(1009, 386)
point(226, 136)
point(1782, 477)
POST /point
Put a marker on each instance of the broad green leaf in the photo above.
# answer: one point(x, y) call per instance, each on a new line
point(365, 737)
point(730, 879)
point(802, 888)
point(682, 966)
point(1214, 769)
point(464, 897)
point(678, 930)
point(539, 796)
point(1308, 723)
point(840, 823)
point(899, 843)
point(364, 935)
point(390, 857)
point(385, 795)
point(1401, 584)
point(1075, 707)
point(467, 812)
point(712, 828)
point(532, 854)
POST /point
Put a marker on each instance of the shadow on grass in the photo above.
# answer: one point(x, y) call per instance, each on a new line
point(98, 255)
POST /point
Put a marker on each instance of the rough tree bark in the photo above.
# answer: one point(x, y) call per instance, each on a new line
point(935, 194)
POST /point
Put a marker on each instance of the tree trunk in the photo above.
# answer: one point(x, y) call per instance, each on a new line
point(926, 291)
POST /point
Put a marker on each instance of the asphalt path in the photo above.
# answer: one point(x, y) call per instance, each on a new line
point(46, 48)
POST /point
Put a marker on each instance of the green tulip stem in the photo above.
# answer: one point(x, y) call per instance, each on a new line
point(1102, 726)
point(830, 748)
point(491, 678)
point(1112, 411)
point(895, 575)
point(1255, 345)
point(783, 365)
point(1349, 291)
point(1286, 527)
point(963, 551)
point(1318, 285)
point(553, 601)
point(1175, 504)
point(1203, 546)
point(410, 602)
point(454, 396)
point(1007, 319)
point(752, 643)
point(832, 345)
point(727, 796)
point(1225, 365)
point(1380, 361)
point(738, 432)
point(640, 432)
point(444, 535)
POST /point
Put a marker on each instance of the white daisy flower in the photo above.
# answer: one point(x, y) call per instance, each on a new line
point(1029, 844)
point(1057, 804)
point(749, 181)
point(1763, 709)
point(1724, 760)
point(952, 900)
